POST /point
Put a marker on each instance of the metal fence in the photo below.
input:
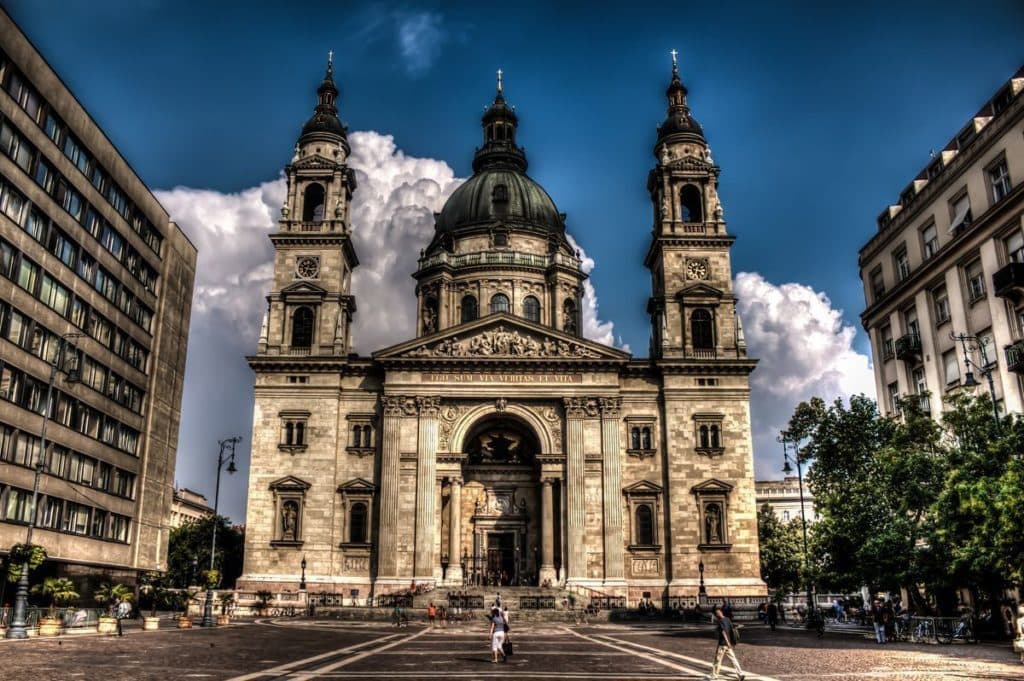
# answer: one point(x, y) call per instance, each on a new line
point(536, 602)
point(70, 618)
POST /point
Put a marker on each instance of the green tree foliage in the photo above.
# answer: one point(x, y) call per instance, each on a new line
point(781, 551)
point(57, 591)
point(912, 501)
point(192, 541)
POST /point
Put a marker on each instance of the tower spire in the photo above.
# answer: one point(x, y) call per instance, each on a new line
point(499, 81)
point(678, 117)
point(499, 127)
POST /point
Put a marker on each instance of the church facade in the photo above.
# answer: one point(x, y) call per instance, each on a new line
point(499, 446)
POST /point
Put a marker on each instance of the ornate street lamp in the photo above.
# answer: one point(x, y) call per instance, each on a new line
point(812, 612)
point(465, 558)
point(195, 566)
point(229, 459)
point(974, 343)
point(702, 593)
point(302, 580)
point(18, 627)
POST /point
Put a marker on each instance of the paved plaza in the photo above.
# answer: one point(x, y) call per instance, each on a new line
point(306, 650)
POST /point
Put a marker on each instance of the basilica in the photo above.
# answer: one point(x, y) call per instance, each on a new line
point(499, 446)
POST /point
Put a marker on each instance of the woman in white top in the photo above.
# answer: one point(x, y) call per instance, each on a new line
point(497, 634)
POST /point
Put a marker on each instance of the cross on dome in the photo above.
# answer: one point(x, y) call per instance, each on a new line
point(499, 80)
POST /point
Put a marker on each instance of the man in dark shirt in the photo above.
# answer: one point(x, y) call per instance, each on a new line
point(725, 645)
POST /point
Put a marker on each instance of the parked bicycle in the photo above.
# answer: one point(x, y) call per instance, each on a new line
point(963, 631)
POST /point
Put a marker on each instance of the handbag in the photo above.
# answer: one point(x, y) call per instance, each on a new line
point(506, 647)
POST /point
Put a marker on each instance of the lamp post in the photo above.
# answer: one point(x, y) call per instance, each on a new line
point(812, 613)
point(18, 628)
point(302, 580)
point(974, 343)
point(229, 459)
point(195, 566)
point(702, 593)
point(463, 565)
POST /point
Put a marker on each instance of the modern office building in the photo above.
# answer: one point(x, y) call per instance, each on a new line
point(948, 260)
point(87, 256)
point(189, 507)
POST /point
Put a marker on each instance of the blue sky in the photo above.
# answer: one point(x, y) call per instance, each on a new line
point(818, 113)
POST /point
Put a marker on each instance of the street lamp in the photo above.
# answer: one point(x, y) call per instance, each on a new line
point(229, 459)
point(195, 565)
point(812, 613)
point(18, 628)
point(302, 580)
point(974, 343)
point(702, 593)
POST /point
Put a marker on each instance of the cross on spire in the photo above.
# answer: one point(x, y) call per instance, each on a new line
point(675, 61)
point(330, 57)
point(499, 80)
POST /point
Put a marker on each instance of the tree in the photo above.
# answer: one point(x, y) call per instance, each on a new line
point(56, 590)
point(191, 542)
point(781, 551)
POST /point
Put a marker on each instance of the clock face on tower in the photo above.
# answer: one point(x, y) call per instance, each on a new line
point(307, 267)
point(697, 269)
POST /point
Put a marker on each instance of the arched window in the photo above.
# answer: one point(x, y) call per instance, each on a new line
point(716, 440)
point(500, 193)
point(569, 320)
point(635, 439)
point(289, 433)
point(302, 328)
point(785, 516)
point(499, 303)
point(705, 440)
point(644, 525)
point(357, 523)
point(313, 203)
point(646, 436)
point(357, 436)
point(300, 433)
point(469, 309)
point(701, 331)
point(531, 309)
point(691, 204)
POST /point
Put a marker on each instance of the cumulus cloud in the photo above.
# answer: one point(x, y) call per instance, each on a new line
point(593, 327)
point(392, 219)
point(420, 37)
point(805, 350)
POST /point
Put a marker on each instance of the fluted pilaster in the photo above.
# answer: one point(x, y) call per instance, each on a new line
point(455, 530)
point(547, 532)
point(394, 407)
point(614, 570)
point(426, 474)
point(576, 409)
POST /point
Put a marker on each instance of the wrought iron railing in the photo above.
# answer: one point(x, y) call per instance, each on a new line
point(498, 258)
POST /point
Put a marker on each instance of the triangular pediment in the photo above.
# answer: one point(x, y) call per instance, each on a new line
point(357, 486)
point(501, 336)
point(700, 291)
point(303, 286)
point(712, 486)
point(315, 162)
point(290, 483)
point(641, 488)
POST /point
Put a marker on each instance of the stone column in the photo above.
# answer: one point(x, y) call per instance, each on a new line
point(426, 479)
point(576, 409)
point(547, 532)
point(394, 407)
point(455, 531)
point(612, 464)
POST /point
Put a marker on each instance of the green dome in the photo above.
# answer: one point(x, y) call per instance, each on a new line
point(504, 194)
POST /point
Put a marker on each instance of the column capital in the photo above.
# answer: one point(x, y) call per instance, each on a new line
point(398, 405)
point(455, 480)
point(428, 405)
point(580, 407)
point(610, 407)
point(547, 482)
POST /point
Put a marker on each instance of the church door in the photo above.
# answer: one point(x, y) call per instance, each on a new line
point(501, 558)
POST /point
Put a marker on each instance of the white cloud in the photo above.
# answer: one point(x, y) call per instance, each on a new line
point(593, 327)
point(420, 36)
point(805, 350)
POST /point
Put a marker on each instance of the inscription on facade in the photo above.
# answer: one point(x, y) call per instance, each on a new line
point(645, 566)
point(483, 377)
point(357, 564)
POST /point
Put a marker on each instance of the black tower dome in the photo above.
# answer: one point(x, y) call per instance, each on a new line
point(679, 124)
point(325, 122)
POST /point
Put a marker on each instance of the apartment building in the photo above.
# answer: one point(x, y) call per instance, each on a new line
point(189, 507)
point(94, 280)
point(948, 261)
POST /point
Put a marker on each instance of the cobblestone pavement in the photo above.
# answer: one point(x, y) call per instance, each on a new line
point(308, 650)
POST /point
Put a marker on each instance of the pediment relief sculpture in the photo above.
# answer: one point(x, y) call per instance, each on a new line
point(500, 342)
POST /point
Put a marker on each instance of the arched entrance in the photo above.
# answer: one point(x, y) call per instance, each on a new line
point(501, 500)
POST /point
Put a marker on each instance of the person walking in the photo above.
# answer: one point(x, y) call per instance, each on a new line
point(123, 612)
point(878, 619)
point(773, 615)
point(431, 614)
point(497, 634)
point(727, 639)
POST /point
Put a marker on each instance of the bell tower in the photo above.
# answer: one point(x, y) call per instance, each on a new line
point(310, 307)
point(693, 311)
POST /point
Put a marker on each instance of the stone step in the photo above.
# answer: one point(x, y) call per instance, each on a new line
point(469, 618)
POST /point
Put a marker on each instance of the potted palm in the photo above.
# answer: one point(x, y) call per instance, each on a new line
point(226, 599)
point(262, 601)
point(153, 584)
point(108, 595)
point(184, 621)
point(59, 592)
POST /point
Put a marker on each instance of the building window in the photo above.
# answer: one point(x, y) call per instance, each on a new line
point(708, 434)
point(1015, 246)
point(888, 349)
point(877, 283)
point(960, 213)
point(357, 524)
point(893, 391)
point(644, 525)
point(999, 180)
point(929, 240)
point(640, 431)
point(785, 516)
point(643, 501)
point(302, 328)
point(975, 280)
point(469, 310)
point(499, 303)
point(920, 387)
point(941, 300)
point(313, 203)
point(910, 320)
point(531, 309)
point(713, 506)
point(362, 439)
point(570, 319)
point(294, 425)
point(902, 263)
point(701, 330)
point(952, 365)
point(356, 499)
point(690, 203)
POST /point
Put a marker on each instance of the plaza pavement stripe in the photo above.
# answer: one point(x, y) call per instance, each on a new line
point(680, 656)
point(285, 668)
point(306, 675)
point(689, 671)
point(503, 672)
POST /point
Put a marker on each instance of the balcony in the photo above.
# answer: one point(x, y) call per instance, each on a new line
point(511, 258)
point(1015, 357)
point(908, 346)
point(1008, 282)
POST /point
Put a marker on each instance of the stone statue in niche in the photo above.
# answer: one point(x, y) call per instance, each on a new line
point(289, 521)
point(713, 523)
point(429, 318)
